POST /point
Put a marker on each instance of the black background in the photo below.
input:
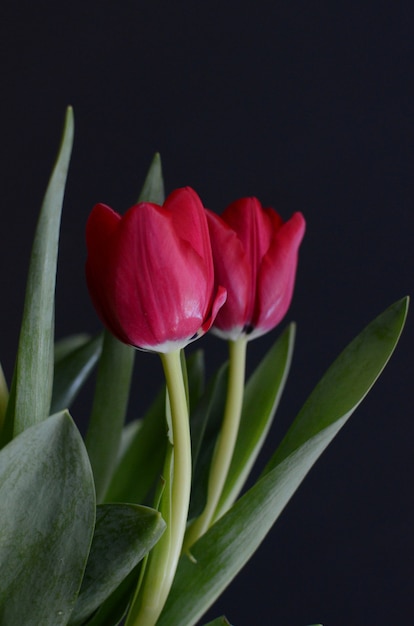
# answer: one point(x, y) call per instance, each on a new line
point(308, 106)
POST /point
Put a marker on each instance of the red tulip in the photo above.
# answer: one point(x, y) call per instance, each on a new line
point(150, 273)
point(255, 257)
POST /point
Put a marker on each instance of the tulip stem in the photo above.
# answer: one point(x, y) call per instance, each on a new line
point(226, 442)
point(163, 558)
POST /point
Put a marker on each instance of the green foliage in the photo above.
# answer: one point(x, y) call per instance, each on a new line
point(32, 383)
point(65, 561)
point(47, 512)
point(124, 534)
point(141, 462)
point(225, 548)
point(75, 358)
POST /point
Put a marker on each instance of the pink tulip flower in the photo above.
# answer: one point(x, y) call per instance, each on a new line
point(150, 272)
point(255, 256)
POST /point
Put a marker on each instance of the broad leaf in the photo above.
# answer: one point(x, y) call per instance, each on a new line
point(32, 384)
point(47, 512)
point(220, 554)
point(72, 369)
point(114, 609)
point(219, 621)
point(124, 534)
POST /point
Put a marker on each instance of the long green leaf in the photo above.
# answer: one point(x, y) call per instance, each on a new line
point(114, 376)
point(153, 187)
point(4, 397)
point(220, 554)
point(124, 534)
point(64, 347)
point(261, 398)
point(141, 464)
point(206, 422)
point(109, 410)
point(32, 385)
point(113, 611)
point(47, 512)
point(72, 370)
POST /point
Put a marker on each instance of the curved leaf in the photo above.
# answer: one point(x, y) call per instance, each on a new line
point(220, 554)
point(47, 512)
point(72, 369)
point(63, 347)
point(124, 534)
point(32, 384)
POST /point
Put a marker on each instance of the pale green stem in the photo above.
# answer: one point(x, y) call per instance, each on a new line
point(224, 449)
point(163, 558)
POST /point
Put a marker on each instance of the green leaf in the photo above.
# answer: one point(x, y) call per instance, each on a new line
point(124, 534)
point(72, 368)
point(114, 376)
point(108, 410)
point(153, 188)
point(220, 554)
point(141, 464)
point(194, 369)
point(47, 512)
point(261, 399)
point(219, 621)
point(114, 609)
point(206, 422)
point(32, 385)
point(4, 397)
point(345, 384)
point(69, 344)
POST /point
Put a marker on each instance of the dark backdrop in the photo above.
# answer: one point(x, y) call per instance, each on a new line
point(309, 106)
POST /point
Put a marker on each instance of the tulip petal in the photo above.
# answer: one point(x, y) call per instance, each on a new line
point(101, 228)
point(218, 302)
point(161, 291)
point(233, 271)
point(190, 222)
point(254, 227)
point(277, 275)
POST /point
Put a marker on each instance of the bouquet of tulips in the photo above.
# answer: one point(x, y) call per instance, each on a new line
point(145, 522)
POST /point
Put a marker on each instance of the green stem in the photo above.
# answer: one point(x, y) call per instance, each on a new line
point(163, 559)
point(223, 452)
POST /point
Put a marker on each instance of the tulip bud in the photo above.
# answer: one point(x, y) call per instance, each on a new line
point(255, 257)
point(150, 272)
